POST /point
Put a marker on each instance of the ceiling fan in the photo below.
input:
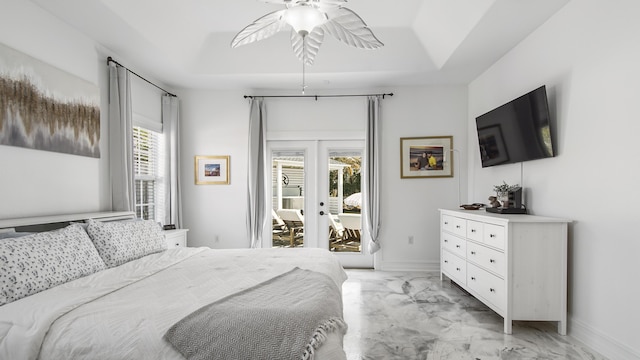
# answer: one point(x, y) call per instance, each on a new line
point(309, 20)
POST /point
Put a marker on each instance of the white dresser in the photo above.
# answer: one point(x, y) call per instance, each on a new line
point(176, 238)
point(515, 264)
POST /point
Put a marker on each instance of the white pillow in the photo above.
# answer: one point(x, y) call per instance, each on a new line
point(37, 262)
point(13, 234)
point(119, 242)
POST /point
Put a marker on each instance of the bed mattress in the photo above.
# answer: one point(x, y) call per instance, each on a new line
point(123, 312)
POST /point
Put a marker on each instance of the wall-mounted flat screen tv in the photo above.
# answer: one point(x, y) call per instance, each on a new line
point(516, 131)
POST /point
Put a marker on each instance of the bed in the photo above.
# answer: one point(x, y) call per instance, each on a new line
point(126, 308)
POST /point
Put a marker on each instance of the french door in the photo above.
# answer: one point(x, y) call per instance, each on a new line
point(316, 189)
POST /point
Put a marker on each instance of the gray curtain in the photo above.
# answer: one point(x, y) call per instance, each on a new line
point(120, 139)
point(371, 205)
point(171, 131)
point(256, 173)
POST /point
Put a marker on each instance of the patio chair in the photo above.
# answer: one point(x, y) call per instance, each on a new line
point(279, 231)
point(336, 233)
point(352, 229)
point(338, 237)
point(352, 226)
point(294, 222)
point(336, 230)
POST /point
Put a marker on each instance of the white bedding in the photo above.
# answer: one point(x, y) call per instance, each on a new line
point(123, 312)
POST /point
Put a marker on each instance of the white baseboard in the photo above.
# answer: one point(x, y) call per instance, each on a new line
point(408, 266)
point(601, 342)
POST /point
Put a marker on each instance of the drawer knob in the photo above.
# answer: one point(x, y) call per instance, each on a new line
point(491, 261)
point(458, 246)
point(473, 230)
point(473, 253)
point(492, 235)
point(457, 226)
point(492, 289)
point(473, 278)
point(446, 223)
point(446, 261)
point(458, 269)
point(445, 240)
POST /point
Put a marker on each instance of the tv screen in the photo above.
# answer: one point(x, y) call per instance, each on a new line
point(516, 131)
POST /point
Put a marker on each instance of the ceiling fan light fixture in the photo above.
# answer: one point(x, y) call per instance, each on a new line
point(304, 18)
point(310, 20)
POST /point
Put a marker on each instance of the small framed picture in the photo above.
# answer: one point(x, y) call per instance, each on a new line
point(212, 170)
point(426, 157)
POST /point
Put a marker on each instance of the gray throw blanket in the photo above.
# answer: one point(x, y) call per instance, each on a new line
point(286, 317)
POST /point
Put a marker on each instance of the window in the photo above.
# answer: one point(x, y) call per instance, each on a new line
point(148, 174)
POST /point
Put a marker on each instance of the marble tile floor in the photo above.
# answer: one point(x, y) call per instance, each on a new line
point(413, 315)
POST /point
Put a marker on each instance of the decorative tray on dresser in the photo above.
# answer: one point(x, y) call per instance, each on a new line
point(515, 264)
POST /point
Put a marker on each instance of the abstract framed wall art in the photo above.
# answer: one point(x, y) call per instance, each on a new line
point(45, 108)
point(426, 157)
point(212, 170)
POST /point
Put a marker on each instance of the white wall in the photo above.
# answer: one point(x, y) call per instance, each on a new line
point(216, 123)
point(588, 56)
point(409, 207)
point(36, 182)
point(343, 115)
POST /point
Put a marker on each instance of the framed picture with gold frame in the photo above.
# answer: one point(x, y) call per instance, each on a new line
point(426, 157)
point(212, 170)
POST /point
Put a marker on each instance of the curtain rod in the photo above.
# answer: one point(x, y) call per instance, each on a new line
point(313, 96)
point(110, 59)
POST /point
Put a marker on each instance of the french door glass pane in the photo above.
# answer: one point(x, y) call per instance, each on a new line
point(288, 199)
point(345, 201)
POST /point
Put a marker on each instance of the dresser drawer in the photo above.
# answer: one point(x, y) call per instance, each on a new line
point(454, 225)
point(494, 235)
point(474, 230)
point(447, 223)
point(487, 285)
point(490, 259)
point(454, 244)
point(454, 266)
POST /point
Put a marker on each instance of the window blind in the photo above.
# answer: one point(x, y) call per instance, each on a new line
point(148, 170)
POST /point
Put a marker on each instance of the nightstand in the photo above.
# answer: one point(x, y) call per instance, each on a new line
point(176, 238)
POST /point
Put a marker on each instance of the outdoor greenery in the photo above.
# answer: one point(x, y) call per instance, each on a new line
point(351, 176)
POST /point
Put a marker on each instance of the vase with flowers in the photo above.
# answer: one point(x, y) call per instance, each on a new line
point(502, 192)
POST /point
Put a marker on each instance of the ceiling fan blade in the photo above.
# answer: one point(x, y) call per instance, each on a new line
point(328, 3)
point(306, 48)
point(281, 2)
point(260, 29)
point(346, 26)
point(318, 3)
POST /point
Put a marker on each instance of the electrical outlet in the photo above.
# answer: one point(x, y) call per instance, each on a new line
point(410, 239)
